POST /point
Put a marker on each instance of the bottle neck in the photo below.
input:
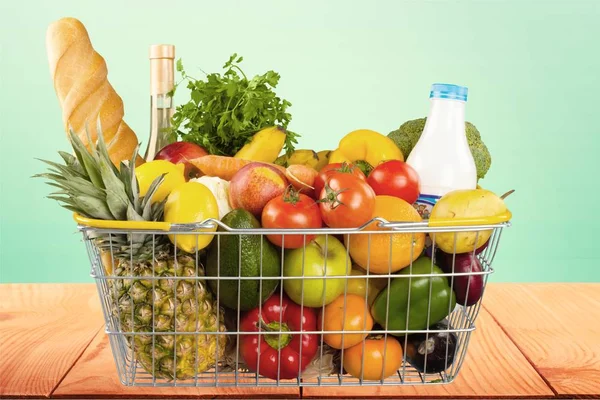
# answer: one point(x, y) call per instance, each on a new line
point(161, 76)
point(161, 105)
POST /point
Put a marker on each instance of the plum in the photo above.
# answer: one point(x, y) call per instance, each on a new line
point(482, 247)
point(468, 288)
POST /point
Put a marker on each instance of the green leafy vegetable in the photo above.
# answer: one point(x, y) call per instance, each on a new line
point(225, 111)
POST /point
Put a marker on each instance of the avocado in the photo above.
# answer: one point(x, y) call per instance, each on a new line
point(233, 261)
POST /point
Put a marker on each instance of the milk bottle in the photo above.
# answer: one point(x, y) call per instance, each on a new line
point(442, 157)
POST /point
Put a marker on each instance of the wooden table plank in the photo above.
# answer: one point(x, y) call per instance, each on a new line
point(95, 375)
point(494, 368)
point(44, 329)
point(557, 327)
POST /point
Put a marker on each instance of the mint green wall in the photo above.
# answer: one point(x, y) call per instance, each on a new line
point(532, 69)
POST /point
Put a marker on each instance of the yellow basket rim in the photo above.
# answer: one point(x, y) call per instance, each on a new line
point(168, 226)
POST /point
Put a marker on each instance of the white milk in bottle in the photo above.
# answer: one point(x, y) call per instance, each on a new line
point(442, 157)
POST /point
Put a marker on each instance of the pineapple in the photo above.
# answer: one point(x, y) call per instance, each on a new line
point(176, 300)
point(191, 308)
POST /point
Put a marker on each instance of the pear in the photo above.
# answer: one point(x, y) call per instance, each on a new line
point(459, 204)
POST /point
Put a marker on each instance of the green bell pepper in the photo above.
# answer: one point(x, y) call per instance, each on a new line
point(443, 299)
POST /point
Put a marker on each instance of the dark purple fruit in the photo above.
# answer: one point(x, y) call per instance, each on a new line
point(438, 348)
point(468, 288)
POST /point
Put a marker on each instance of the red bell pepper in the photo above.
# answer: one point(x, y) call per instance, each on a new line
point(287, 353)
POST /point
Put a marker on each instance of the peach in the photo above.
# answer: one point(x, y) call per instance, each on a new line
point(254, 185)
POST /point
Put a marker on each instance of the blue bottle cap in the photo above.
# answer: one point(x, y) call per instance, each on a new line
point(447, 91)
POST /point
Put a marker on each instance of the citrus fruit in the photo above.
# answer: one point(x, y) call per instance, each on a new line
point(148, 172)
point(405, 247)
point(188, 203)
point(349, 314)
point(377, 358)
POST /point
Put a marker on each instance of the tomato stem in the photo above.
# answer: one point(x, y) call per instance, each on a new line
point(331, 196)
point(346, 168)
point(291, 195)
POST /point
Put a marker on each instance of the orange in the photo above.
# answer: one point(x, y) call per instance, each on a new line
point(350, 313)
point(377, 260)
point(371, 356)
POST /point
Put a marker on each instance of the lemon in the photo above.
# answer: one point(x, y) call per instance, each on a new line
point(187, 203)
point(148, 172)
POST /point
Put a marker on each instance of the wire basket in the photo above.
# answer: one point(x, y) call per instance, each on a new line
point(161, 334)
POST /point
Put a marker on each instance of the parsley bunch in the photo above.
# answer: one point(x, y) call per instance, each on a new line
point(226, 110)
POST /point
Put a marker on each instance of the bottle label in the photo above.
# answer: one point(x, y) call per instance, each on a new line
point(424, 204)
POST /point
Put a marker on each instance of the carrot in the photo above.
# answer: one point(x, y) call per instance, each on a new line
point(221, 166)
point(302, 177)
point(225, 167)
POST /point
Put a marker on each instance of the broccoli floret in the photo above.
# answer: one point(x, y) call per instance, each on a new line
point(480, 152)
point(407, 136)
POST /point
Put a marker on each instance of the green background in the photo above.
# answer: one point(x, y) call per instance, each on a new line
point(532, 69)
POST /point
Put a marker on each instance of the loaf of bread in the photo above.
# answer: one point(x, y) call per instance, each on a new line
point(80, 80)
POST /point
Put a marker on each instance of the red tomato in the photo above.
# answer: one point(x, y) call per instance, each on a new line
point(292, 210)
point(395, 178)
point(347, 201)
point(330, 169)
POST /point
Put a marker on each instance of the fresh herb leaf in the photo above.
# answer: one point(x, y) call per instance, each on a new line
point(226, 110)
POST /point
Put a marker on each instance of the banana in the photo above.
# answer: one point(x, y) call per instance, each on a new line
point(323, 159)
point(265, 145)
point(310, 158)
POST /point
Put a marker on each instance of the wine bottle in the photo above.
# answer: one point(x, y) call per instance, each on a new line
point(161, 103)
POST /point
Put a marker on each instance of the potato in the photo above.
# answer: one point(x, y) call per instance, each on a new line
point(459, 204)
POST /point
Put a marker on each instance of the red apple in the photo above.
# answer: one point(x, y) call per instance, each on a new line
point(181, 152)
point(254, 185)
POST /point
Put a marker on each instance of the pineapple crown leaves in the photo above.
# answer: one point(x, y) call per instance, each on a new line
point(89, 183)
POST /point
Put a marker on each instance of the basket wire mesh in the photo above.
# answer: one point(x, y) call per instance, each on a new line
point(116, 288)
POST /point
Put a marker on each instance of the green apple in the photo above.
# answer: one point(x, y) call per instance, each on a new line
point(314, 260)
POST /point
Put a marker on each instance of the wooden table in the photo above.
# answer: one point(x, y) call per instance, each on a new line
point(532, 341)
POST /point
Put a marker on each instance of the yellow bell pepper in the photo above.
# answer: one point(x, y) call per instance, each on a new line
point(366, 145)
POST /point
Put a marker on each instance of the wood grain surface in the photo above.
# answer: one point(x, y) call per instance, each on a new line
point(557, 327)
point(44, 329)
point(494, 368)
point(532, 341)
point(95, 375)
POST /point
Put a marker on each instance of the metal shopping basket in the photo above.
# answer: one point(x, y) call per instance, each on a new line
point(129, 322)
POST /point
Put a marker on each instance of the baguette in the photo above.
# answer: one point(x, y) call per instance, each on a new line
point(80, 80)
